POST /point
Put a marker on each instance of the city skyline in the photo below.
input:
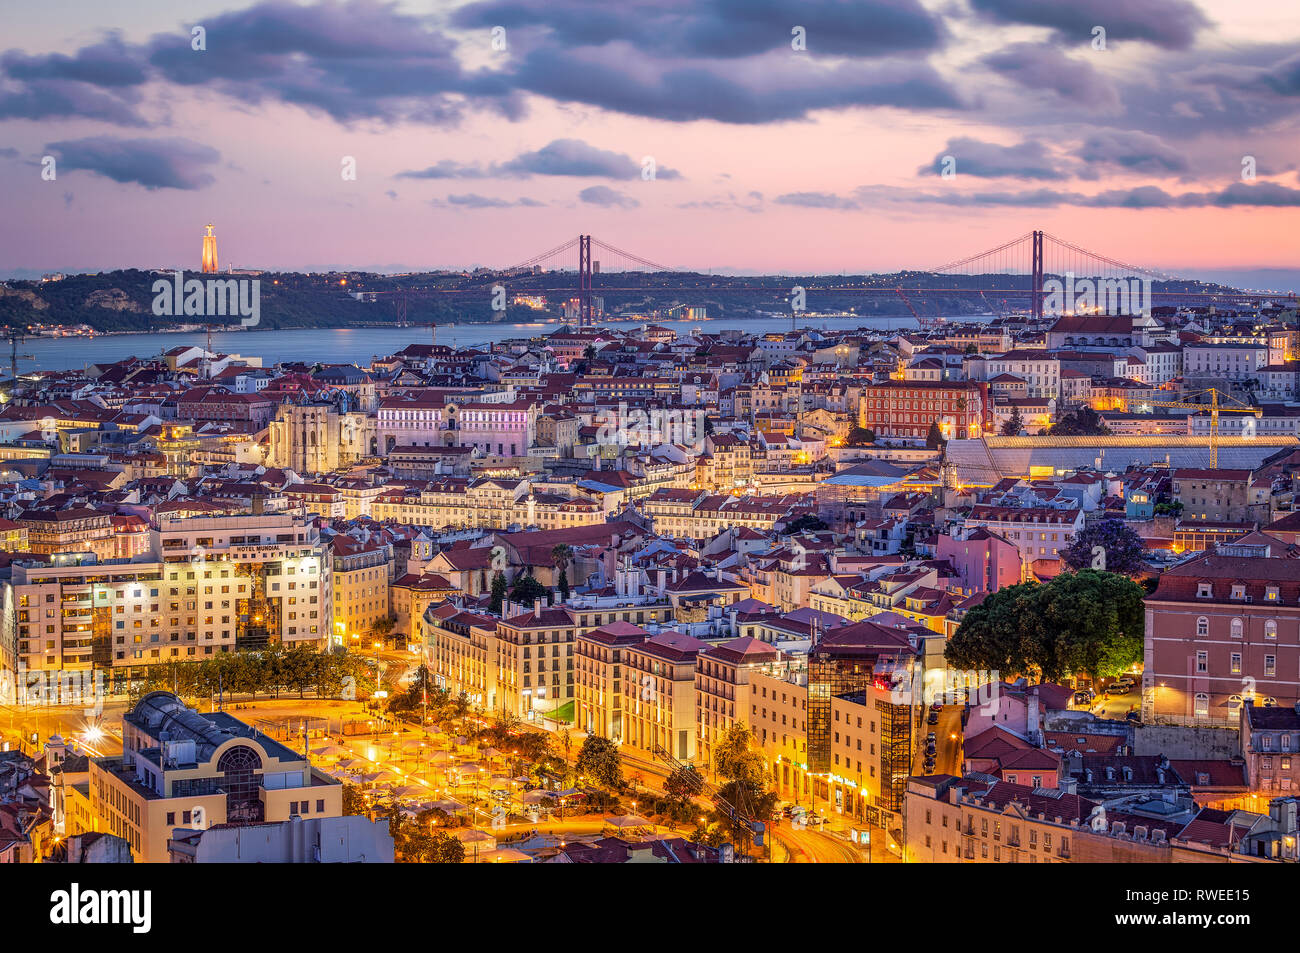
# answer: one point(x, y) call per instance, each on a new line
point(765, 158)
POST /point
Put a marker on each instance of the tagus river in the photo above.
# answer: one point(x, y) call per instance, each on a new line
point(360, 345)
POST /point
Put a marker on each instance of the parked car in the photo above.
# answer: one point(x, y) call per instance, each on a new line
point(929, 765)
point(1083, 698)
point(1119, 689)
point(933, 718)
point(1133, 717)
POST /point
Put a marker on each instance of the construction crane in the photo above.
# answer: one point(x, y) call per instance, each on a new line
point(930, 321)
point(15, 357)
point(1215, 408)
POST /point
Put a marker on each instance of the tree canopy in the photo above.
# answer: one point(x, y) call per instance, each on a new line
point(1121, 549)
point(1086, 622)
point(598, 760)
point(1082, 423)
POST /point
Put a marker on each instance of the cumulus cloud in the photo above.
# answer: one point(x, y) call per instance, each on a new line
point(153, 163)
point(1171, 24)
point(987, 160)
point(606, 197)
point(1046, 69)
point(564, 157)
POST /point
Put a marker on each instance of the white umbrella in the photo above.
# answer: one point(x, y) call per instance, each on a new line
point(408, 791)
point(331, 751)
point(628, 820)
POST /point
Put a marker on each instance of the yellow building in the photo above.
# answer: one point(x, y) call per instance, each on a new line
point(183, 769)
point(598, 689)
point(360, 586)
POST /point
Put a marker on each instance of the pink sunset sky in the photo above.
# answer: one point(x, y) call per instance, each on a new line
point(767, 158)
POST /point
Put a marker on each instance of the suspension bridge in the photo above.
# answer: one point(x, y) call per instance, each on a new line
point(1020, 274)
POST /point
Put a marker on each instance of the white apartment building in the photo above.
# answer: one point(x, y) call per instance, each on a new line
point(1038, 369)
point(1231, 362)
point(210, 585)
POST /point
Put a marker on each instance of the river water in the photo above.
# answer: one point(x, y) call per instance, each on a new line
point(359, 345)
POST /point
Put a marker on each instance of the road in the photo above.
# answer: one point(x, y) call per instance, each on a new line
point(808, 846)
point(947, 742)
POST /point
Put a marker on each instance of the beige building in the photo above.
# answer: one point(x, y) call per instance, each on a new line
point(183, 769)
point(659, 707)
point(601, 666)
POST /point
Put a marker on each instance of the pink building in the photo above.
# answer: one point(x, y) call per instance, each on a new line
point(983, 560)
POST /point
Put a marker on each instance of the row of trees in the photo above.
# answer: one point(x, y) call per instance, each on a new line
point(1088, 622)
point(270, 671)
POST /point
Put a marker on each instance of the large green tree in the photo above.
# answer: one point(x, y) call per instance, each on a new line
point(598, 760)
point(735, 757)
point(1088, 622)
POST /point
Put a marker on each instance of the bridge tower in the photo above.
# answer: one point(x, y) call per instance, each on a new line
point(1037, 270)
point(584, 281)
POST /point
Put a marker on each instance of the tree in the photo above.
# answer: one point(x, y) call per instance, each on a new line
point(683, 784)
point(735, 760)
point(934, 439)
point(446, 849)
point(381, 627)
point(860, 437)
point(353, 801)
point(1013, 424)
point(1081, 622)
point(561, 556)
point(807, 522)
point(1084, 422)
point(598, 759)
point(1121, 549)
point(528, 590)
point(499, 589)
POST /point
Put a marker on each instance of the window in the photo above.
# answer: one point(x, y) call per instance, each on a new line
point(1237, 628)
point(1202, 626)
point(1202, 704)
point(1270, 629)
point(1202, 662)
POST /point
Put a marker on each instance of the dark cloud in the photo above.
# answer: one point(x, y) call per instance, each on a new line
point(575, 157)
point(987, 160)
point(566, 157)
point(110, 63)
point(67, 99)
point(1045, 68)
point(606, 197)
point(1134, 151)
point(1170, 24)
point(154, 163)
point(719, 29)
point(770, 89)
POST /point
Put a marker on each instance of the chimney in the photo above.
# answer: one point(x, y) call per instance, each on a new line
point(537, 606)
